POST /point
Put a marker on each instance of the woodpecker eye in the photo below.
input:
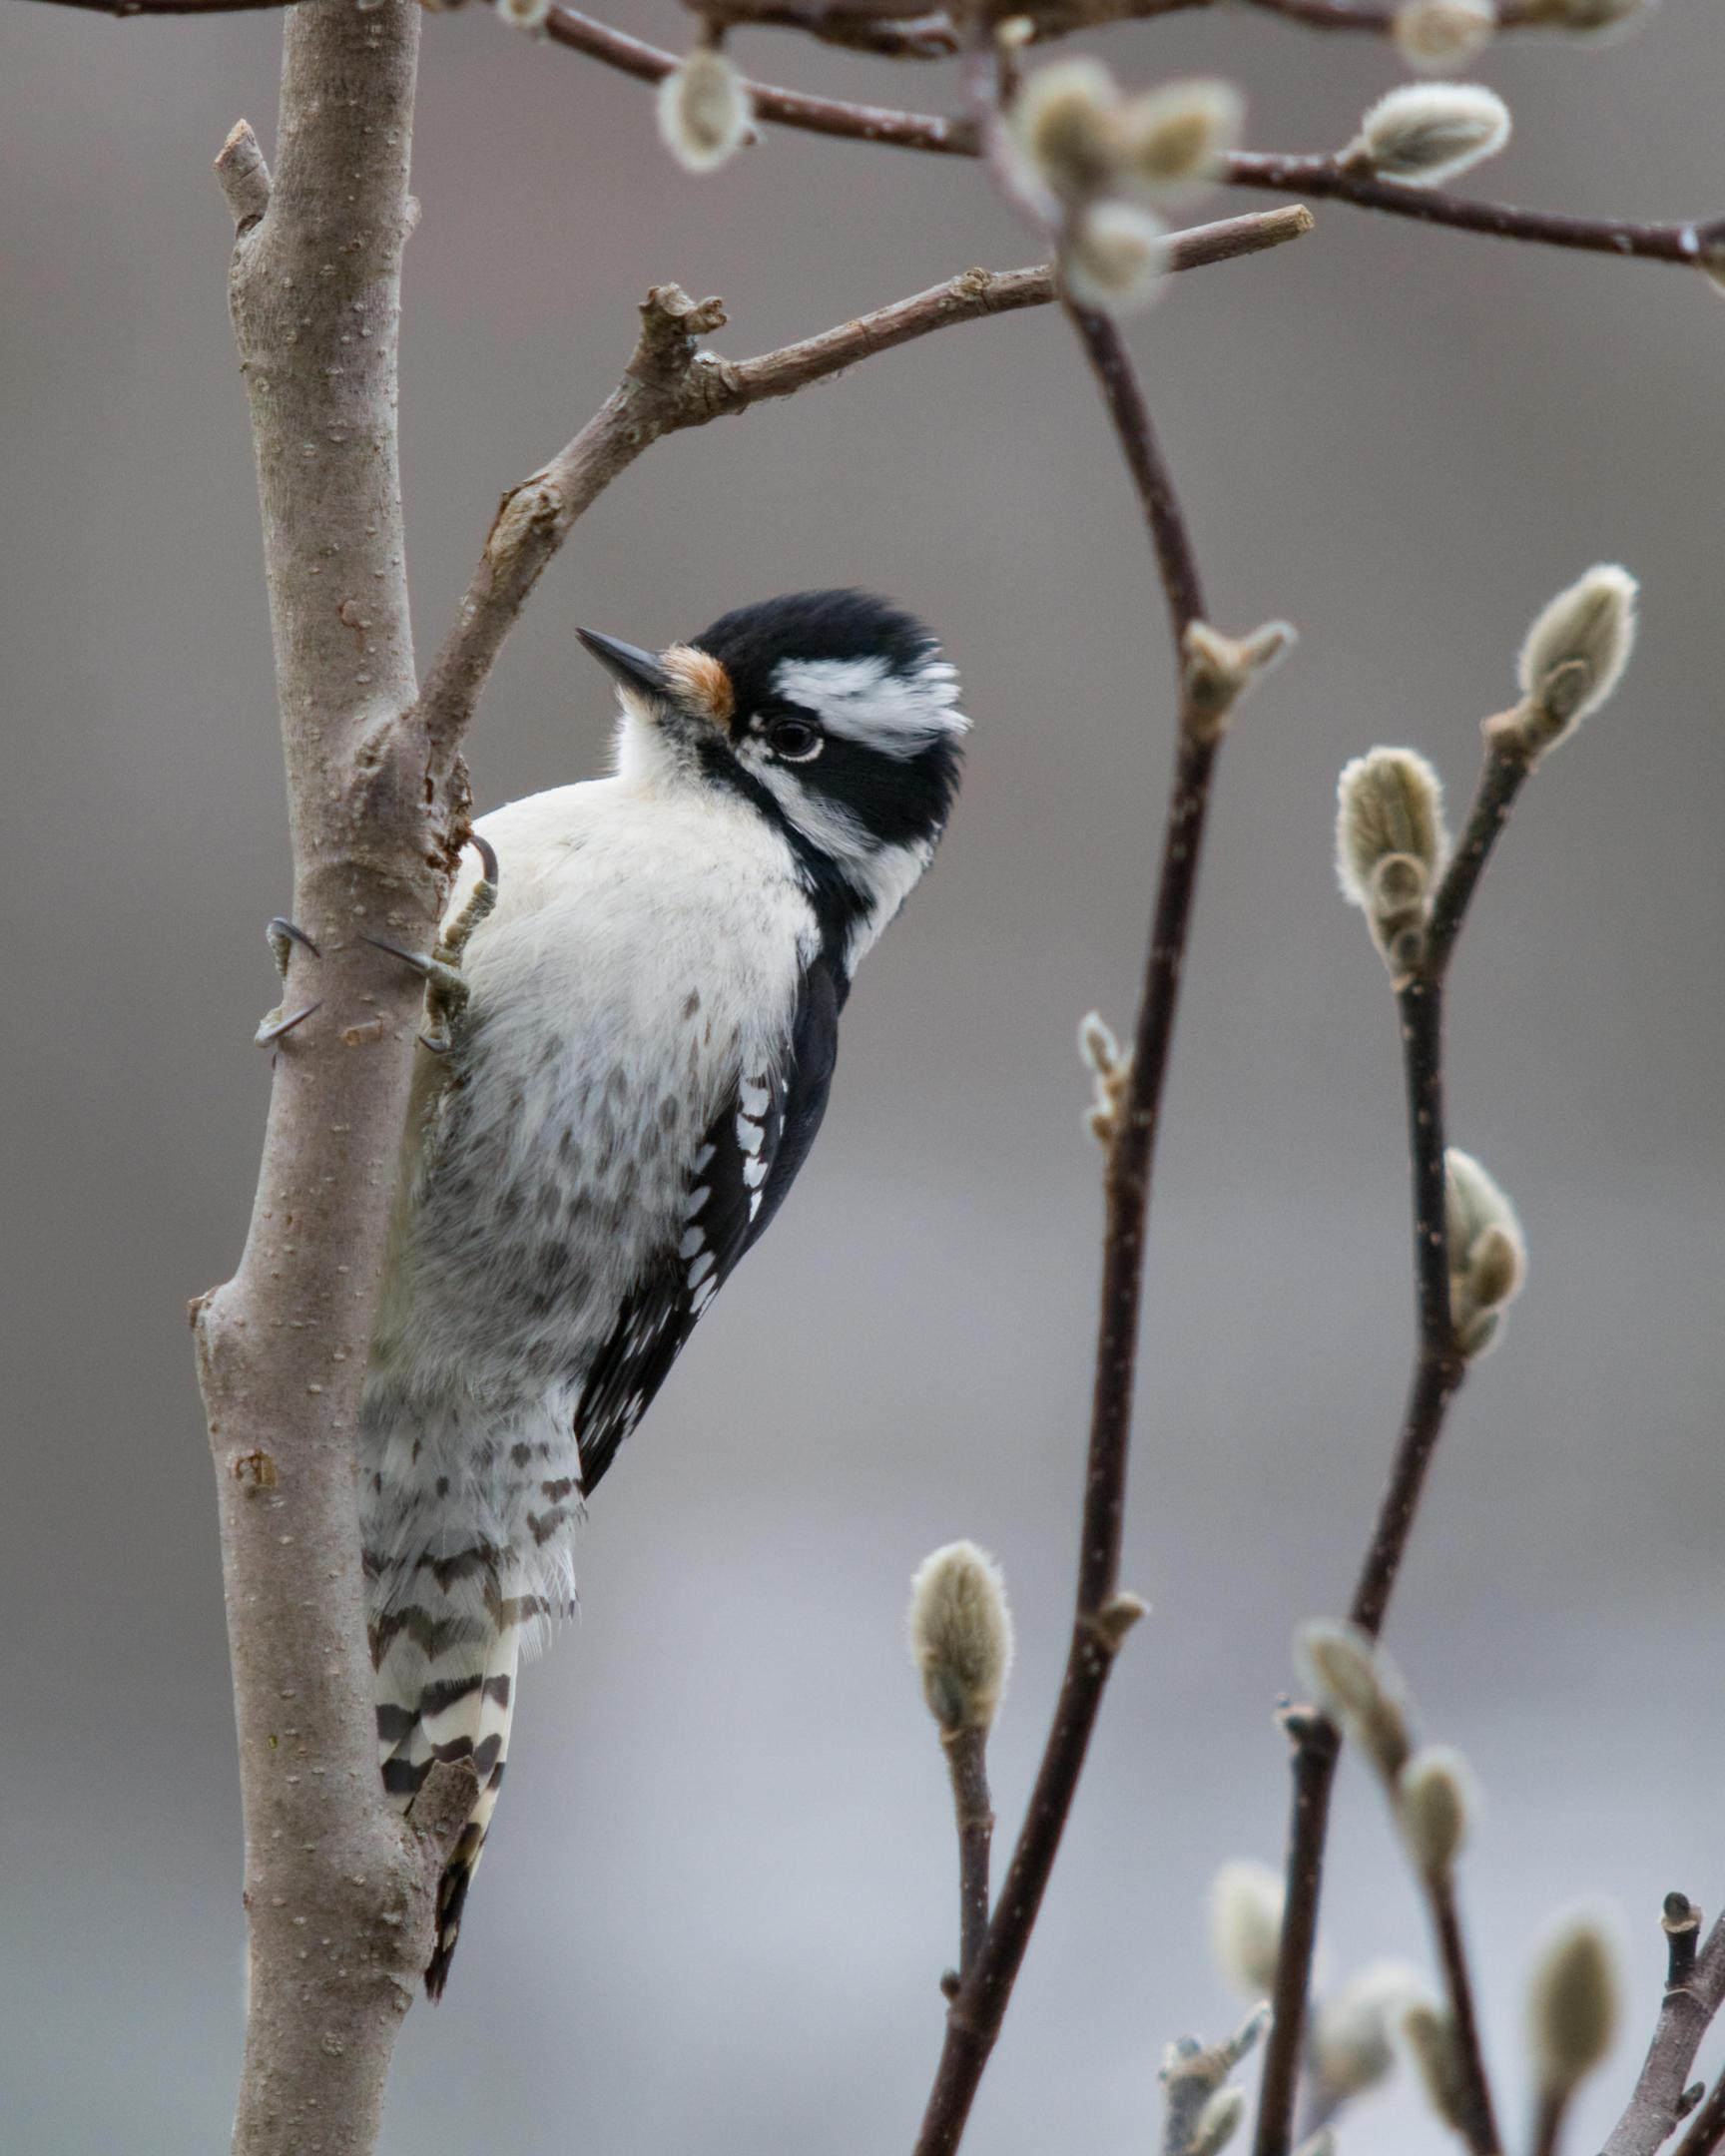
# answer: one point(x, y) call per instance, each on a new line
point(798, 741)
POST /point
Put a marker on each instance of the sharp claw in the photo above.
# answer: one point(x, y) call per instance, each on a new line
point(278, 927)
point(487, 855)
point(421, 967)
point(269, 1032)
point(438, 1047)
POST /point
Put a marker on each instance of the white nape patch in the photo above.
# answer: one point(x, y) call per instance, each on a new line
point(864, 701)
point(888, 877)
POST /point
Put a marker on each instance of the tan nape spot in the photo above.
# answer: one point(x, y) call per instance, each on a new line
point(703, 680)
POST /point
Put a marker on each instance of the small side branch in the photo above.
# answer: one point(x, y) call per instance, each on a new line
point(1691, 242)
point(1439, 1369)
point(973, 1813)
point(1695, 1994)
point(670, 385)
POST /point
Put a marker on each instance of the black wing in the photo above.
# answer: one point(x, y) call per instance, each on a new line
point(747, 1162)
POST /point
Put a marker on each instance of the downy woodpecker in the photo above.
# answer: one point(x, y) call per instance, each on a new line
point(636, 999)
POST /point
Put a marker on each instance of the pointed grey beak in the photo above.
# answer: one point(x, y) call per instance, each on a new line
point(630, 667)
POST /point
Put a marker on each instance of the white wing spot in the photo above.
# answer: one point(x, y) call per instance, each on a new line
point(754, 1173)
point(753, 1096)
point(693, 1243)
point(697, 1198)
point(749, 1135)
point(699, 1270)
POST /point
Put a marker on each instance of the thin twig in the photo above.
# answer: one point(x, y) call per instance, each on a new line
point(1479, 2121)
point(670, 385)
point(1552, 2108)
point(973, 1813)
point(1439, 1370)
point(1707, 2130)
point(1693, 1996)
point(1688, 241)
point(1103, 1615)
point(1677, 239)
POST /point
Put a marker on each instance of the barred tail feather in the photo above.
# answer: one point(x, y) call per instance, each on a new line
point(446, 1662)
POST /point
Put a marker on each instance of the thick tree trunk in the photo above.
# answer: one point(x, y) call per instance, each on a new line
point(338, 1891)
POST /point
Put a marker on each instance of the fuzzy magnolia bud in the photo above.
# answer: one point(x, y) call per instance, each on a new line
point(1574, 655)
point(1217, 670)
point(1357, 1684)
point(1174, 140)
point(1218, 2122)
point(1390, 846)
point(1440, 34)
point(1488, 1252)
point(1065, 125)
point(1434, 1802)
point(704, 111)
point(1115, 257)
point(1246, 1926)
point(1352, 2046)
point(1427, 132)
point(1430, 2038)
point(520, 14)
point(961, 1633)
point(1571, 2004)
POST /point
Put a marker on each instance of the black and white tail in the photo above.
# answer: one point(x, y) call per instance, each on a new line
point(446, 1639)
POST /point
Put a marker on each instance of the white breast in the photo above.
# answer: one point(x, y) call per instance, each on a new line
point(643, 955)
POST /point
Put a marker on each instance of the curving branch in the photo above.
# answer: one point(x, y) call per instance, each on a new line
point(1439, 1370)
point(1128, 1120)
point(670, 385)
point(1694, 244)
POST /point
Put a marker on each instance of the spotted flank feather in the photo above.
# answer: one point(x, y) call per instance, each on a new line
point(746, 1163)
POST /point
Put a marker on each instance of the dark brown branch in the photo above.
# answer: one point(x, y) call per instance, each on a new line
point(789, 108)
point(1681, 240)
point(1694, 1994)
point(1479, 2124)
point(128, 8)
point(1707, 2130)
point(668, 385)
point(1670, 240)
point(1378, 19)
point(1439, 1370)
point(973, 1814)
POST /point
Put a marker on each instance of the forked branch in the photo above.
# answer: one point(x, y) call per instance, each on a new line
point(669, 384)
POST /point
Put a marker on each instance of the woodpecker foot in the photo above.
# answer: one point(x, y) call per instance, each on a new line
point(445, 984)
point(282, 935)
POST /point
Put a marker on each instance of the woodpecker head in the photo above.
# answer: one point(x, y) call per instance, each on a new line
point(831, 715)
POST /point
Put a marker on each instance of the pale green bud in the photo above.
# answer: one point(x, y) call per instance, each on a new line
point(1357, 1685)
point(1353, 2037)
point(1115, 257)
point(1571, 2004)
point(1245, 1925)
point(1390, 845)
point(960, 1634)
point(1487, 1252)
point(1065, 125)
point(1427, 132)
point(519, 14)
point(1434, 1802)
point(1217, 670)
point(1175, 141)
point(703, 111)
point(1218, 2122)
point(1430, 2038)
point(1575, 654)
point(1432, 35)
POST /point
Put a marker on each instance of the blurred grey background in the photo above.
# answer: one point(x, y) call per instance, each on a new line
point(721, 1890)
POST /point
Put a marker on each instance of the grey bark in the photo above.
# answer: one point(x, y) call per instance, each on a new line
point(338, 1888)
